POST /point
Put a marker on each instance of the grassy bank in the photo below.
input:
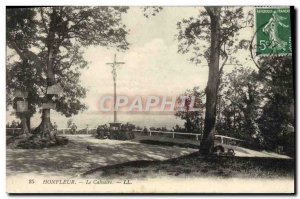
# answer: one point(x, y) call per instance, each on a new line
point(194, 165)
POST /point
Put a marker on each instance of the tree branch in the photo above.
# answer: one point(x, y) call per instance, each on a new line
point(224, 62)
point(25, 54)
point(43, 20)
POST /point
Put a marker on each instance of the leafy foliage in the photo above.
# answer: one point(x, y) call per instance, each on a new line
point(33, 32)
point(194, 33)
point(193, 119)
point(151, 10)
point(278, 113)
point(213, 36)
point(242, 101)
point(257, 106)
point(124, 133)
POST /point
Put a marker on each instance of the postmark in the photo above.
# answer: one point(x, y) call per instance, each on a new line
point(273, 32)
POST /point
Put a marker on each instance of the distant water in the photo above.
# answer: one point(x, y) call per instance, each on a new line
point(93, 120)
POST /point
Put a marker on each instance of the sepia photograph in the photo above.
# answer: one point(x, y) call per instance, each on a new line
point(150, 99)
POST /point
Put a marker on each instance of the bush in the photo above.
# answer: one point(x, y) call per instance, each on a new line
point(36, 142)
point(115, 135)
point(102, 134)
point(102, 131)
point(125, 132)
point(121, 135)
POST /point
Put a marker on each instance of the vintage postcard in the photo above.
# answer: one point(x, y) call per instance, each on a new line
point(153, 99)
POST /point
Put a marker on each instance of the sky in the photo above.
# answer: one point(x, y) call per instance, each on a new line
point(152, 67)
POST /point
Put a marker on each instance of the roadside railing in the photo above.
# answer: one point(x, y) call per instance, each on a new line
point(172, 134)
point(13, 131)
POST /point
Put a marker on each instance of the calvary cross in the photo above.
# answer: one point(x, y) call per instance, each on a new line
point(114, 73)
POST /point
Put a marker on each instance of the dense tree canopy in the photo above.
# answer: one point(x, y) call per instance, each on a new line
point(257, 105)
point(48, 43)
point(242, 100)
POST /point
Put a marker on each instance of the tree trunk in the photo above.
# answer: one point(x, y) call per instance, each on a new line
point(28, 118)
point(45, 128)
point(201, 125)
point(24, 126)
point(207, 142)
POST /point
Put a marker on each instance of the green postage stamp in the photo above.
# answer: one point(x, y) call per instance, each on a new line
point(273, 31)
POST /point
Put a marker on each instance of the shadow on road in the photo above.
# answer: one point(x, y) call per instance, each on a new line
point(74, 157)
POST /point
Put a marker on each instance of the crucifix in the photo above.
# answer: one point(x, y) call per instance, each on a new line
point(114, 65)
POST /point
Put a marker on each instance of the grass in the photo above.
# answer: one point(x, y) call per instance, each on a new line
point(194, 165)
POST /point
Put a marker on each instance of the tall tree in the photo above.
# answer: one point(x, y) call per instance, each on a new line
point(55, 52)
point(19, 73)
point(212, 35)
